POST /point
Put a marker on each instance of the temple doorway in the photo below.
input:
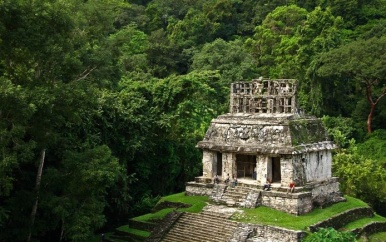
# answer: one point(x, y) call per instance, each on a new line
point(219, 164)
point(276, 169)
point(246, 165)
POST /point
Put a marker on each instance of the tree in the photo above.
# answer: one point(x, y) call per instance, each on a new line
point(50, 51)
point(186, 104)
point(15, 111)
point(373, 146)
point(347, 9)
point(275, 44)
point(86, 177)
point(231, 59)
point(361, 177)
point(128, 47)
point(161, 12)
point(195, 29)
point(341, 129)
point(223, 16)
point(362, 64)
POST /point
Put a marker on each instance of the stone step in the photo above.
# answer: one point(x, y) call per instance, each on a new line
point(174, 237)
point(216, 214)
point(233, 199)
point(207, 222)
point(204, 227)
point(198, 234)
point(238, 189)
point(201, 227)
point(284, 189)
point(240, 193)
point(207, 218)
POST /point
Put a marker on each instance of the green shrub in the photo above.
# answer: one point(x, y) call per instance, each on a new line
point(330, 235)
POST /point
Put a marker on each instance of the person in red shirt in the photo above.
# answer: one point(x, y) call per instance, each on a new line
point(291, 187)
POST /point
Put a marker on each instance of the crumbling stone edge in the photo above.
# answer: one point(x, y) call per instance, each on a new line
point(341, 219)
point(369, 229)
point(164, 226)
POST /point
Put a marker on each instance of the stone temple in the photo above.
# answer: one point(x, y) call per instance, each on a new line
point(265, 136)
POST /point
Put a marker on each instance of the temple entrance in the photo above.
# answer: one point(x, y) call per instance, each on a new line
point(246, 165)
point(219, 164)
point(276, 169)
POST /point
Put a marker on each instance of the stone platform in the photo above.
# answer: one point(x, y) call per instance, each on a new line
point(248, 194)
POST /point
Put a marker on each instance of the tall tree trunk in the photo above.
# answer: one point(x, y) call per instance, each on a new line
point(370, 118)
point(62, 231)
point(369, 95)
point(37, 189)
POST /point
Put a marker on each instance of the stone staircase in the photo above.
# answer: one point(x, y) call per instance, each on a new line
point(237, 196)
point(191, 227)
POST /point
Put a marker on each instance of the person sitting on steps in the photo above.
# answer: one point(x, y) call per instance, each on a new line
point(234, 181)
point(291, 187)
point(227, 179)
point(267, 185)
point(216, 180)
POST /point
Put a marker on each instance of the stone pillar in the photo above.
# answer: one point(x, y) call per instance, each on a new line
point(208, 163)
point(261, 169)
point(228, 165)
point(287, 170)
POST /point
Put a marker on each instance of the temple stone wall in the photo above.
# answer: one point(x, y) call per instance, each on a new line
point(253, 199)
point(307, 167)
point(198, 189)
point(293, 203)
point(317, 165)
point(263, 96)
point(226, 132)
point(299, 171)
point(207, 163)
point(259, 233)
point(326, 192)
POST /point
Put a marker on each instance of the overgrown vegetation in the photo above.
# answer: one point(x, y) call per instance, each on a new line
point(197, 203)
point(269, 216)
point(330, 234)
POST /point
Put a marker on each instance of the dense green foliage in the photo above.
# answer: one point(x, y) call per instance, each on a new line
point(103, 102)
point(361, 176)
point(330, 234)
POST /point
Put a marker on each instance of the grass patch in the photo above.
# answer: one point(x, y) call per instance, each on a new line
point(269, 216)
point(378, 237)
point(127, 229)
point(197, 204)
point(153, 216)
point(363, 221)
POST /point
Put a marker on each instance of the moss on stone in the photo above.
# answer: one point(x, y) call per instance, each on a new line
point(306, 131)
